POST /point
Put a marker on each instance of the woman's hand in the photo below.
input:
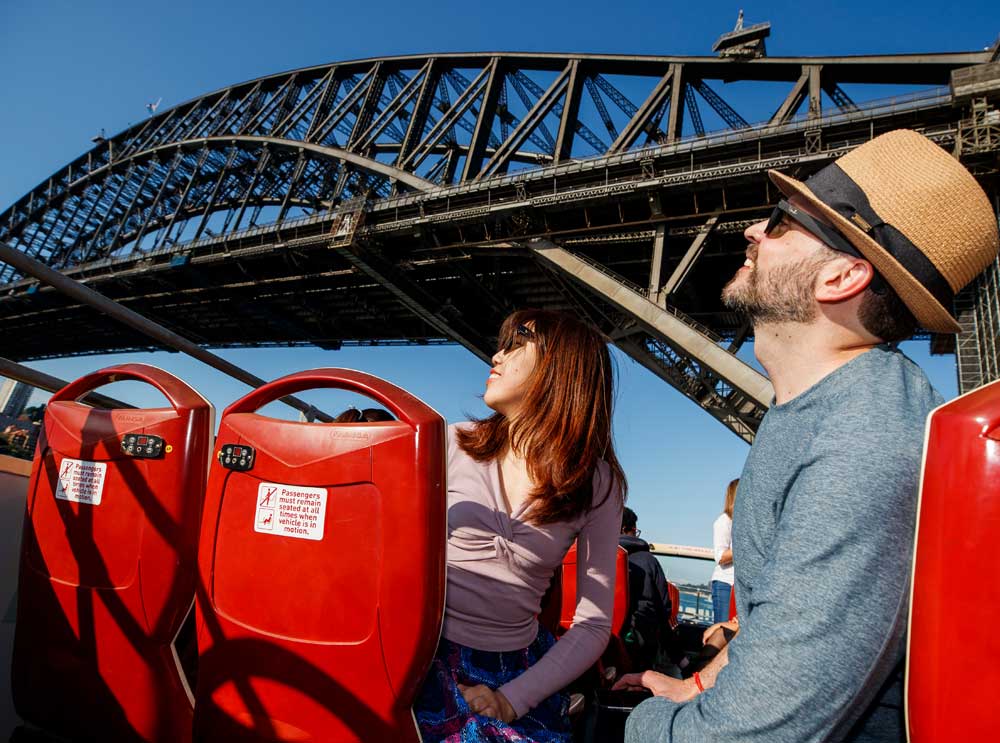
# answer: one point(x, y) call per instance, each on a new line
point(661, 686)
point(488, 702)
point(730, 625)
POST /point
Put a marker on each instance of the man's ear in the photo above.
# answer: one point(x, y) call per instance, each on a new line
point(843, 278)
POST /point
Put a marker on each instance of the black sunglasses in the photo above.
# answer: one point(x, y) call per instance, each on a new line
point(521, 335)
point(824, 232)
point(367, 415)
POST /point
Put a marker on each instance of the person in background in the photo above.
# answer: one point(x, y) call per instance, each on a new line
point(648, 620)
point(523, 485)
point(851, 262)
point(368, 415)
point(722, 545)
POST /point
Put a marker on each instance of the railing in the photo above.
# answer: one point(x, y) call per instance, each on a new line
point(696, 604)
point(929, 98)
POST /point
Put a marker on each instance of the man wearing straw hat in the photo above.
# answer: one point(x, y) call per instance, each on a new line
point(850, 262)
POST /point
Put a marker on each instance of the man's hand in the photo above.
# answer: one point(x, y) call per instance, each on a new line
point(662, 686)
point(488, 702)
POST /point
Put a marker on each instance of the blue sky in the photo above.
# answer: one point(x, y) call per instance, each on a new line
point(69, 69)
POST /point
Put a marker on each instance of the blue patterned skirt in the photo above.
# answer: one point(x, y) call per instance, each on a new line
point(444, 717)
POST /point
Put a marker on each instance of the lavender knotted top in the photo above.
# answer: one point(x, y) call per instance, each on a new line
point(499, 567)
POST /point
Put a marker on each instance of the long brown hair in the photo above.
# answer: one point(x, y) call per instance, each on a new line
point(731, 497)
point(563, 426)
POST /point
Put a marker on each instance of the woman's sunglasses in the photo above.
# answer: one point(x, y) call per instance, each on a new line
point(521, 335)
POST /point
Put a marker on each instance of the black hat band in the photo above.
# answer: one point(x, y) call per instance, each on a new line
point(838, 191)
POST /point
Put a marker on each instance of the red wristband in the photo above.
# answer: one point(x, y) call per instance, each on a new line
point(697, 682)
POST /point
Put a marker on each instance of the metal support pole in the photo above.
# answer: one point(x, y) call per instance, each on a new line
point(114, 310)
point(657, 264)
point(815, 88)
point(43, 381)
point(686, 264)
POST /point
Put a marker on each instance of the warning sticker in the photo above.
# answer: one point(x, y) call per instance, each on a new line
point(81, 482)
point(290, 511)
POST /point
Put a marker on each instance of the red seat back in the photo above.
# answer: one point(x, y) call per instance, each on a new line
point(108, 563)
point(958, 528)
point(675, 603)
point(615, 654)
point(550, 615)
point(323, 559)
point(620, 611)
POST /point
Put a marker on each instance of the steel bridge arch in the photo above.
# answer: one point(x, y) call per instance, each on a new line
point(331, 153)
point(593, 183)
point(447, 119)
point(139, 217)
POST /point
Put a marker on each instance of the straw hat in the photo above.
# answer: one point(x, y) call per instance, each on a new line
point(914, 212)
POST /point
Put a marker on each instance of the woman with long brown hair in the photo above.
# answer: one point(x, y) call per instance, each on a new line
point(523, 484)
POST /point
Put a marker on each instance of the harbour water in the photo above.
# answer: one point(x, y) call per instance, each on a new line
point(696, 603)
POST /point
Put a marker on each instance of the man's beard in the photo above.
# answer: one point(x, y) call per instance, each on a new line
point(783, 294)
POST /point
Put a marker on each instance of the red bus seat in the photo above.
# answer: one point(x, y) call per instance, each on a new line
point(615, 653)
point(550, 614)
point(323, 561)
point(108, 563)
point(675, 603)
point(958, 527)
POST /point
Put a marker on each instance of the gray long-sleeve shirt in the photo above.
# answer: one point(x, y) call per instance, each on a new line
point(822, 542)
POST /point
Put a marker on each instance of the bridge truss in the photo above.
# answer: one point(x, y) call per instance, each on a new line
point(419, 199)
